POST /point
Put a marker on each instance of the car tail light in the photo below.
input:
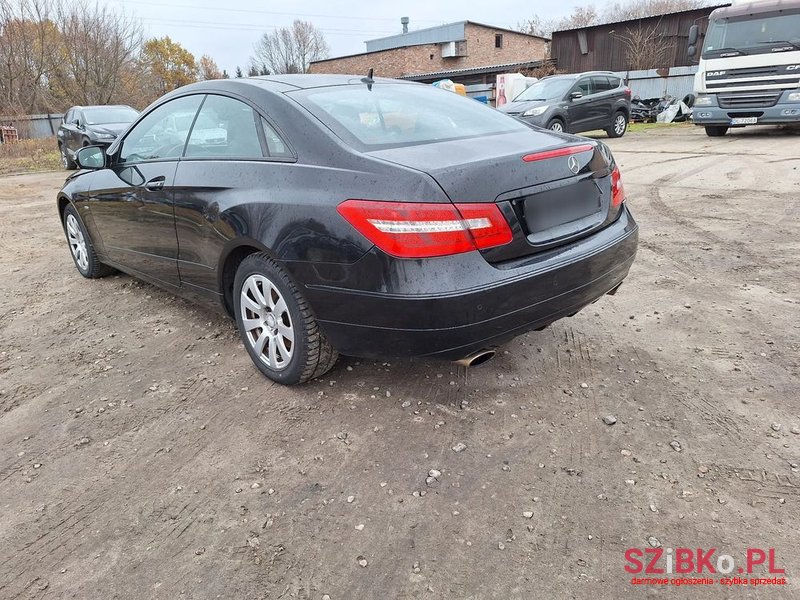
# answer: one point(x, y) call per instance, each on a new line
point(566, 151)
point(628, 93)
point(423, 230)
point(617, 189)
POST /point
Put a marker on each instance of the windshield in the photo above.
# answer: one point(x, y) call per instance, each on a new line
point(546, 89)
point(753, 34)
point(400, 114)
point(109, 114)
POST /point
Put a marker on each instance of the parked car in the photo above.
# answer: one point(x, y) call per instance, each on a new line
point(91, 126)
point(575, 103)
point(374, 218)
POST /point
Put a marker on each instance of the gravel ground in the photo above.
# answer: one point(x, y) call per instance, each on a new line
point(144, 457)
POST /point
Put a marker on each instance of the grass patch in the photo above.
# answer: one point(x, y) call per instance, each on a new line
point(638, 127)
point(28, 156)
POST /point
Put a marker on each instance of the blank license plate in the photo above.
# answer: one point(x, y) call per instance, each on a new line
point(744, 121)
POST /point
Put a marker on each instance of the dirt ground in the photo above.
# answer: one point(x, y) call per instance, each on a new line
point(144, 457)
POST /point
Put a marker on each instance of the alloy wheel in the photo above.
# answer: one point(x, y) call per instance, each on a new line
point(619, 125)
point(77, 243)
point(556, 126)
point(267, 323)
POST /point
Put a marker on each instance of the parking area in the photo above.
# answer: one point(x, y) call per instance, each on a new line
point(145, 457)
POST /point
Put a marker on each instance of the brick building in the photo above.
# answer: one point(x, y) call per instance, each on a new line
point(464, 45)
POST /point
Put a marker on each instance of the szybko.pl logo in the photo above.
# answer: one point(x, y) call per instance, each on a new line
point(698, 566)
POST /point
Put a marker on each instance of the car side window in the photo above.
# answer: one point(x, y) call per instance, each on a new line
point(614, 82)
point(224, 128)
point(275, 145)
point(584, 86)
point(601, 84)
point(162, 133)
point(77, 117)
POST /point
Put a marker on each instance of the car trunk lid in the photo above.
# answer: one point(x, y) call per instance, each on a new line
point(551, 188)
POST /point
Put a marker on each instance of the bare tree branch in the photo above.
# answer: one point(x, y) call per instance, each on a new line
point(290, 49)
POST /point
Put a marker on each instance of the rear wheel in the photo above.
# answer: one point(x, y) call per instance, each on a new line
point(716, 130)
point(81, 247)
point(619, 126)
point(556, 125)
point(276, 324)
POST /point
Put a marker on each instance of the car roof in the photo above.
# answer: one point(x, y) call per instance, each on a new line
point(306, 81)
point(101, 106)
point(576, 75)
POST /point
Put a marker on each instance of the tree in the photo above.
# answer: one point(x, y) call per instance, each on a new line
point(167, 65)
point(645, 46)
point(225, 74)
point(588, 15)
point(637, 9)
point(239, 74)
point(290, 49)
point(209, 69)
point(97, 48)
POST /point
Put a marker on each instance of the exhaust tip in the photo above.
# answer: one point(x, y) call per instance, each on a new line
point(477, 358)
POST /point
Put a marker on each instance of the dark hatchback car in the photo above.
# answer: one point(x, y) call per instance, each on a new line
point(91, 126)
point(338, 214)
point(575, 103)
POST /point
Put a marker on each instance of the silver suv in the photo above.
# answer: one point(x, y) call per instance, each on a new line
point(575, 103)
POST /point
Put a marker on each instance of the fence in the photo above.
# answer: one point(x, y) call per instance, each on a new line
point(657, 83)
point(34, 126)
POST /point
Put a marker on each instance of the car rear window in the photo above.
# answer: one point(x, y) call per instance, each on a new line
point(391, 115)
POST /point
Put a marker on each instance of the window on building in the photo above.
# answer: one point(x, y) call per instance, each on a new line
point(498, 40)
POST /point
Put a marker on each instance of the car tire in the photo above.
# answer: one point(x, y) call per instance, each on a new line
point(618, 126)
point(68, 163)
point(277, 325)
point(716, 130)
point(557, 125)
point(81, 246)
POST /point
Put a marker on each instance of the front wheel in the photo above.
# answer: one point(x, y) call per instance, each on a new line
point(619, 126)
point(716, 130)
point(276, 324)
point(556, 125)
point(81, 247)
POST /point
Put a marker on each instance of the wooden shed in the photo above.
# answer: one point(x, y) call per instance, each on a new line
point(648, 43)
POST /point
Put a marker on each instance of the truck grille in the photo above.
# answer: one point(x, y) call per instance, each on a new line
point(748, 100)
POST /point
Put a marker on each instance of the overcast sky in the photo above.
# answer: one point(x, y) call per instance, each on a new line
point(227, 29)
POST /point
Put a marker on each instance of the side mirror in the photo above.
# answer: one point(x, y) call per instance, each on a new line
point(691, 50)
point(91, 157)
point(575, 95)
point(694, 33)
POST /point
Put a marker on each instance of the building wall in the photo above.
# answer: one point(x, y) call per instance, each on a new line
point(607, 52)
point(478, 49)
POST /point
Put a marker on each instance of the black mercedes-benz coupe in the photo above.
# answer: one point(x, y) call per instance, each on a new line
point(371, 217)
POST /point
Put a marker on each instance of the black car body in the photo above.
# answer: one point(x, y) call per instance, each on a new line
point(388, 242)
point(575, 103)
point(91, 126)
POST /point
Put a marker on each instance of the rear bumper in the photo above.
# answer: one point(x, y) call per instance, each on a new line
point(451, 306)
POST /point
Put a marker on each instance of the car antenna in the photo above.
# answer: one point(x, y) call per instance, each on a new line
point(368, 79)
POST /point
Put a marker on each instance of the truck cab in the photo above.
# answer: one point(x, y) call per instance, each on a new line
point(749, 70)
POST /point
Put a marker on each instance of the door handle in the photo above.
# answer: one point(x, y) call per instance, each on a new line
point(155, 184)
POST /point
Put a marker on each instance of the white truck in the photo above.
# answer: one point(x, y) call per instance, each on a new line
point(749, 71)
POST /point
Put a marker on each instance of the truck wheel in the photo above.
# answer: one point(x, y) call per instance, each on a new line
point(716, 130)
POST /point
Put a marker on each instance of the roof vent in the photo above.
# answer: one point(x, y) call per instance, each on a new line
point(404, 23)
